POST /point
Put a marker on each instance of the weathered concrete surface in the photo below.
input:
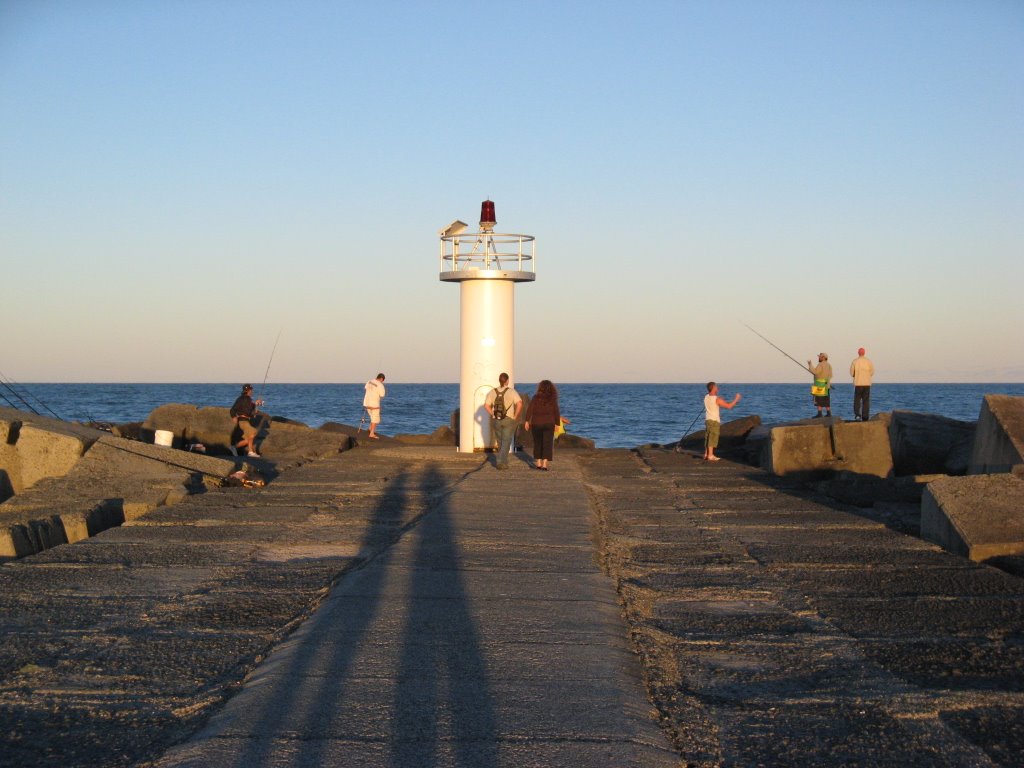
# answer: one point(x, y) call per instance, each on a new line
point(979, 517)
point(487, 636)
point(779, 628)
point(999, 440)
point(924, 443)
point(35, 447)
point(411, 606)
point(115, 480)
point(468, 624)
point(832, 446)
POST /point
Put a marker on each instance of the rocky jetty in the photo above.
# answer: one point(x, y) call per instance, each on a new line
point(63, 482)
point(776, 623)
point(909, 467)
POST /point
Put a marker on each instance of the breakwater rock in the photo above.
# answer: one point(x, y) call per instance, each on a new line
point(213, 427)
point(924, 443)
point(62, 482)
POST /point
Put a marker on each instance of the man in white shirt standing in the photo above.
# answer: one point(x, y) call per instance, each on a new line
point(713, 419)
point(862, 370)
point(371, 402)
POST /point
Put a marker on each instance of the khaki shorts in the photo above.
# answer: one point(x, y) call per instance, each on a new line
point(248, 430)
point(374, 415)
point(712, 430)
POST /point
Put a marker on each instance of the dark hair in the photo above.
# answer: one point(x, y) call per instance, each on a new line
point(246, 388)
point(546, 390)
point(502, 378)
point(380, 376)
point(711, 385)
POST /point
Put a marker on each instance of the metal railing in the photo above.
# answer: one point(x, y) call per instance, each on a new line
point(488, 250)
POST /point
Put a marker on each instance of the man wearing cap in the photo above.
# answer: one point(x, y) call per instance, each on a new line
point(822, 384)
point(862, 370)
point(244, 412)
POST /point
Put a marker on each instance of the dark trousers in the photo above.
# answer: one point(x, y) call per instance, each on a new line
point(543, 440)
point(862, 401)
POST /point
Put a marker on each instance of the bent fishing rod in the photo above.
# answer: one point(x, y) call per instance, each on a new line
point(802, 366)
point(259, 395)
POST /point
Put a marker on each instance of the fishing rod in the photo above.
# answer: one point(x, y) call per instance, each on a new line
point(10, 384)
point(4, 398)
point(803, 367)
point(17, 395)
point(259, 395)
point(686, 432)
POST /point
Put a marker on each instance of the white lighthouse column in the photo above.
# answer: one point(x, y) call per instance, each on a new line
point(487, 349)
point(488, 265)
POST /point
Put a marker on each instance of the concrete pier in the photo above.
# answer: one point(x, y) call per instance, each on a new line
point(410, 606)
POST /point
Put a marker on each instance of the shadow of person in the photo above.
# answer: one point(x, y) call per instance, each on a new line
point(390, 670)
point(442, 700)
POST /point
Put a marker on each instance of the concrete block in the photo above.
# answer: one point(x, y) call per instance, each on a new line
point(861, 447)
point(999, 436)
point(925, 443)
point(34, 448)
point(187, 460)
point(16, 541)
point(46, 454)
point(978, 517)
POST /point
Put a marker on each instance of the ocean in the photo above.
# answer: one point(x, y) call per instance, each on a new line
point(613, 415)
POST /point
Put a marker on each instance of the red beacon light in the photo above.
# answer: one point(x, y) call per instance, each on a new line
point(487, 218)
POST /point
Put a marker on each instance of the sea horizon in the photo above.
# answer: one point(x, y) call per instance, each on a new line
point(613, 415)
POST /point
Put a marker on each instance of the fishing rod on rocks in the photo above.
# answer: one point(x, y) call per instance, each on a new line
point(10, 385)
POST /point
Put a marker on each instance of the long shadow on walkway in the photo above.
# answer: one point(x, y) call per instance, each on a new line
point(442, 670)
point(324, 703)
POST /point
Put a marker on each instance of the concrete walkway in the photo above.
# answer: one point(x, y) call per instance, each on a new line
point(486, 635)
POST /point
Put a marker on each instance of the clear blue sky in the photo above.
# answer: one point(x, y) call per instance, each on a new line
point(180, 181)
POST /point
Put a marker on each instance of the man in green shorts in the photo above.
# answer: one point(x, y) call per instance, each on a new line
point(713, 419)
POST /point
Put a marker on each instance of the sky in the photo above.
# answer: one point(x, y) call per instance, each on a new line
point(185, 184)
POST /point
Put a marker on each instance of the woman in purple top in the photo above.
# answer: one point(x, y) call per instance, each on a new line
point(541, 417)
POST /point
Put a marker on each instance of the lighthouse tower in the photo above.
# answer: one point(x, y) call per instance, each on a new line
point(487, 266)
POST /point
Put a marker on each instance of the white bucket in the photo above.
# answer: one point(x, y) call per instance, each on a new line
point(163, 437)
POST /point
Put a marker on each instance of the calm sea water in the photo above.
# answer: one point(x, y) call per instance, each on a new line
point(613, 415)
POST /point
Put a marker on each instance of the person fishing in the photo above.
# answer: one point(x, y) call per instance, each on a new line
point(371, 402)
point(820, 389)
point(244, 412)
point(713, 419)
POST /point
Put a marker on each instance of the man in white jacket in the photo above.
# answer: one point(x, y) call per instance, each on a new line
point(862, 370)
point(371, 402)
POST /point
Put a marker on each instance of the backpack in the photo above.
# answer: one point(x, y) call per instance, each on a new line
point(498, 407)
